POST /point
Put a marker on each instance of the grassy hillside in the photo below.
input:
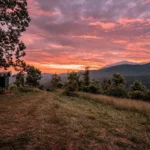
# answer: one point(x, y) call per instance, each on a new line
point(52, 121)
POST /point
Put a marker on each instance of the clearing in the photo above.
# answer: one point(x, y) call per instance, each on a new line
point(51, 121)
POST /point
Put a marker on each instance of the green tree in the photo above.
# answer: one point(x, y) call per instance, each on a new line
point(117, 87)
point(55, 82)
point(14, 19)
point(138, 91)
point(118, 80)
point(138, 86)
point(72, 84)
point(105, 85)
point(94, 87)
point(33, 76)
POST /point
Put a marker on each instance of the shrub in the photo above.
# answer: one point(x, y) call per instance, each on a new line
point(117, 92)
point(13, 87)
point(138, 86)
point(138, 95)
point(92, 88)
point(59, 85)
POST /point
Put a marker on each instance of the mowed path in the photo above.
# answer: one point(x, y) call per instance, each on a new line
point(46, 121)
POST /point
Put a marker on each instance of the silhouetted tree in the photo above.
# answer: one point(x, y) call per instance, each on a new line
point(105, 85)
point(14, 19)
point(138, 91)
point(117, 87)
point(55, 82)
point(86, 76)
point(72, 84)
point(33, 76)
point(118, 80)
point(137, 86)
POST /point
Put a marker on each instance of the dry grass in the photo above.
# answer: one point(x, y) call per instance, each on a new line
point(51, 121)
point(127, 104)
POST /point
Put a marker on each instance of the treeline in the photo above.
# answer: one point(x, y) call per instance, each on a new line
point(113, 86)
point(81, 82)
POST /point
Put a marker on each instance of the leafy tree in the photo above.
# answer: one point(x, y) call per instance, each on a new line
point(86, 76)
point(105, 85)
point(72, 84)
point(117, 87)
point(55, 82)
point(118, 80)
point(14, 19)
point(33, 76)
point(138, 91)
point(137, 86)
point(94, 87)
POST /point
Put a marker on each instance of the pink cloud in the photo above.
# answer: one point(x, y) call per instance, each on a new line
point(103, 25)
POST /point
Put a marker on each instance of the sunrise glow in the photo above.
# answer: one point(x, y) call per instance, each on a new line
point(69, 35)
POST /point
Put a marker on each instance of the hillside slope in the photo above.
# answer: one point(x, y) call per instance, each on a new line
point(126, 70)
point(53, 121)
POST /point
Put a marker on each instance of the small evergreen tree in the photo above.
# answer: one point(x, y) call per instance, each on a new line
point(33, 76)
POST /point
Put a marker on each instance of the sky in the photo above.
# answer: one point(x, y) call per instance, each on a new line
point(68, 35)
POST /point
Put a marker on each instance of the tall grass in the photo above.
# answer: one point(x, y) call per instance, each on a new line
point(118, 103)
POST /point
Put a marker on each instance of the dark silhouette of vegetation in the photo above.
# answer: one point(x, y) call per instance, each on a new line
point(33, 76)
point(138, 91)
point(117, 87)
point(86, 76)
point(20, 79)
point(72, 84)
point(105, 85)
point(14, 20)
point(55, 82)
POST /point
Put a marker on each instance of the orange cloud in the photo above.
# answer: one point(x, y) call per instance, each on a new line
point(103, 25)
point(120, 42)
point(88, 37)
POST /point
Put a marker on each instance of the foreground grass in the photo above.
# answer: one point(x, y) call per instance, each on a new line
point(52, 121)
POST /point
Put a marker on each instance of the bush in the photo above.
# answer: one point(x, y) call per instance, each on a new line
point(94, 89)
point(59, 85)
point(13, 87)
point(138, 95)
point(117, 92)
point(27, 89)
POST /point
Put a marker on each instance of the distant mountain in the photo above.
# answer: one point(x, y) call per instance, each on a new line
point(130, 70)
point(124, 63)
point(125, 69)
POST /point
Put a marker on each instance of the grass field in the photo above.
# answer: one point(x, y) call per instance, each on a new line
point(51, 121)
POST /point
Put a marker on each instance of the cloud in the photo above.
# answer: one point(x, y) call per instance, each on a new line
point(86, 33)
point(103, 25)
